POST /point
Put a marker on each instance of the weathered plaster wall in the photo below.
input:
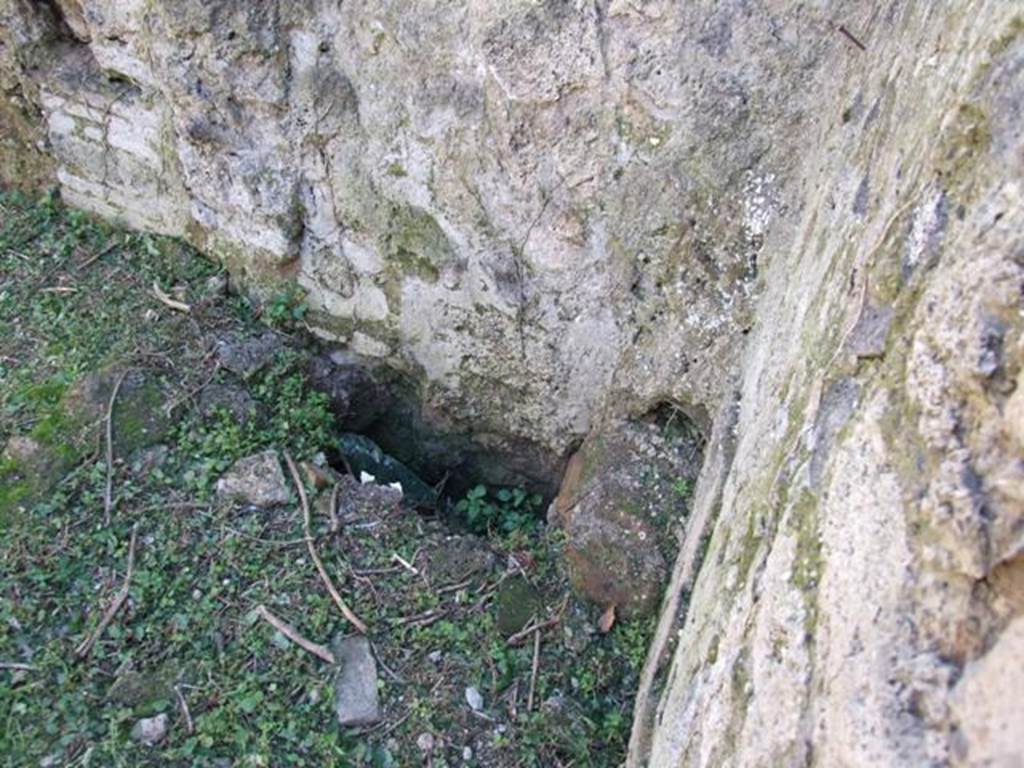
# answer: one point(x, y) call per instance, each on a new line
point(861, 592)
point(538, 209)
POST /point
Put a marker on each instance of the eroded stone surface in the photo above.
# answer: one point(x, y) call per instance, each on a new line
point(546, 214)
point(988, 705)
point(528, 242)
point(622, 505)
point(356, 699)
point(256, 480)
point(861, 557)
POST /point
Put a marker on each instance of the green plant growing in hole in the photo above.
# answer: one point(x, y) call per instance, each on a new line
point(287, 308)
point(507, 510)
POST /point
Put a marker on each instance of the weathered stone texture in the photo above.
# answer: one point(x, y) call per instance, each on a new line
point(535, 209)
point(622, 502)
point(862, 582)
point(549, 215)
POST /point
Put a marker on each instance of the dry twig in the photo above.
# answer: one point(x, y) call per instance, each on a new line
point(397, 558)
point(97, 256)
point(535, 626)
point(335, 595)
point(108, 492)
point(531, 628)
point(534, 672)
point(189, 725)
point(455, 587)
point(335, 523)
point(293, 634)
point(86, 645)
point(167, 301)
point(17, 666)
point(423, 619)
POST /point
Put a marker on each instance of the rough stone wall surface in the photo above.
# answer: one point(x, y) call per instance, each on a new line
point(548, 212)
point(24, 161)
point(537, 209)
point(860, 596)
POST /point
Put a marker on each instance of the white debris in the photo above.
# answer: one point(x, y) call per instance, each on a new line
point(474, 699)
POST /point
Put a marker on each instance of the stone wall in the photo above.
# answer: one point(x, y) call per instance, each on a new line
point(861, 585)
point(801, 223)
point(541, 211)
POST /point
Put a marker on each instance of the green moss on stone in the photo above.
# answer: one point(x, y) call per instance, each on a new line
point(139, 420)
point(964, 143)
point(518, 602)
point(807, 562)
point(416, 245)
point(1014, 30)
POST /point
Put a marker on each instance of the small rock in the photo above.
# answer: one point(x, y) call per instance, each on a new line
point(616, 501)
point(474, 699)
point(518, 602)
point(216, 287)
point(355, 689)
point(435, 657)
point(257, 480)
point(246, 356)
point(151, 730)
point(425, 742)
point(231, 398)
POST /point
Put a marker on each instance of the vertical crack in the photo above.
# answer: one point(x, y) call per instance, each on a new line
point(601, 15)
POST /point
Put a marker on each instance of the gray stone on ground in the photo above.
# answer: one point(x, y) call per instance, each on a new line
point(257, 480)
point(231, 398)
point(425, 742)
point(245, 356)
point(151, 730)
point(474, 699)
point(355, 689)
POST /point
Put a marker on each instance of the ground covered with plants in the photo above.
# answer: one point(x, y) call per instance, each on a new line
point(133, 594)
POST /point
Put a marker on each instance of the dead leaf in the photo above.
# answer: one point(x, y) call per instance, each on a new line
point(607, 620)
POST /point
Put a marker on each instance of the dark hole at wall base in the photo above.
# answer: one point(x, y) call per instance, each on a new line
point(387, 407)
